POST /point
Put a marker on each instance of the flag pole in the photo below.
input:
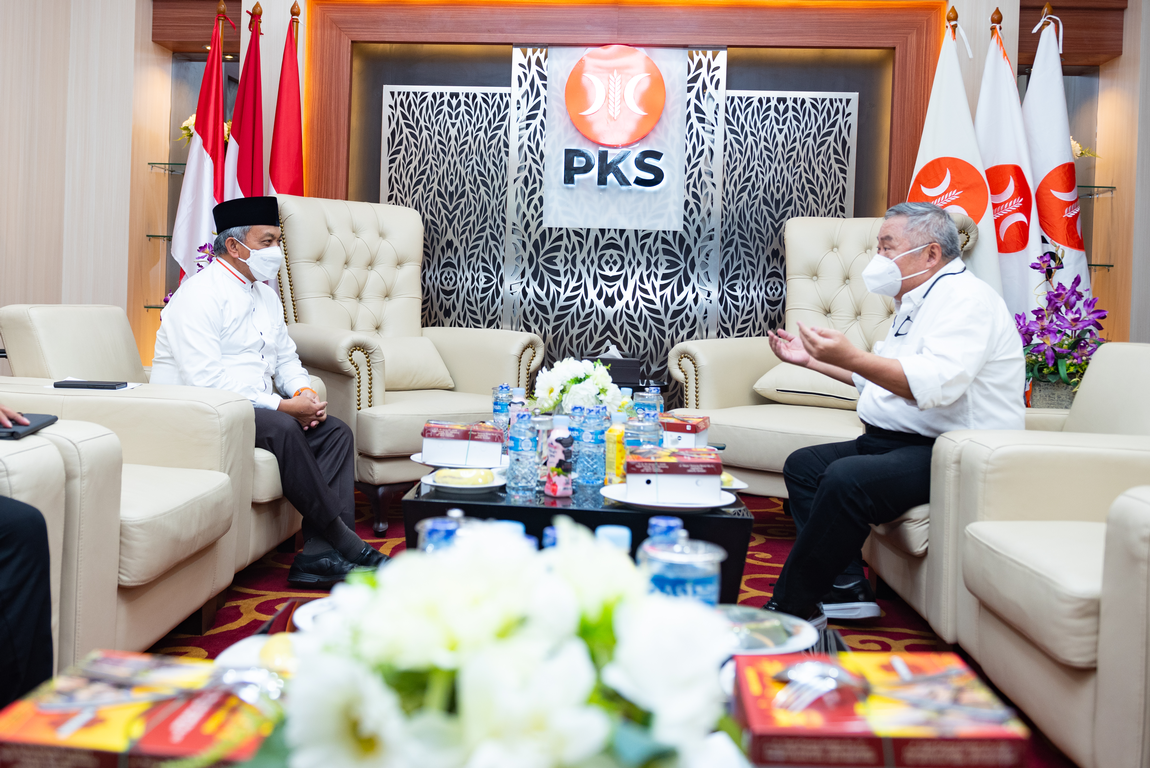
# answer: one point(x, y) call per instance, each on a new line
point(295, 25)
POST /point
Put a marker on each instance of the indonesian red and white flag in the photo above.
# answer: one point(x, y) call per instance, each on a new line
point(286, 165)
point(203, 185)
point(244, 173)
point(1002, 142)
point(1048, 132)
point(948, 171)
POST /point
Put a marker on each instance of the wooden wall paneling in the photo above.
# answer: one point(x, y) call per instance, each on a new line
point(913, 29)
point(1093, 33)
point(185, 26)
point(151, 140)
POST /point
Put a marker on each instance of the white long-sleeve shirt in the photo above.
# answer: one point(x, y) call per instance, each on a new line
point(962, 357)
point(222, 331)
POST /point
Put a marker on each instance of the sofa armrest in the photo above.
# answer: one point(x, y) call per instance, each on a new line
point(91, 562)
point(481, 358)
point(32, 471)
point(351, 353)
point(721, 373)
point(320, 387)
point(1015, 475)
point(1123, 695)
point(161, 426)
point(1046, 419)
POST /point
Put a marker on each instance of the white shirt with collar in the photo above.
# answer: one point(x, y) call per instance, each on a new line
point(962, 357)
point(222, 331)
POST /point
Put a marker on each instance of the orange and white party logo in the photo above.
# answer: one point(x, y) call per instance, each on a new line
point(1058, 207)
point(615, 95)
point(951, 184)
point(1010, 196)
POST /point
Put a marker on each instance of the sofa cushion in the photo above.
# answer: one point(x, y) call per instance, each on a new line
point(910, 533)
point(1043, 578)
point(167, 515)
point(763, 436)
point(393, 428)
point(266, 483)
point(795, 385)
point(413, 362)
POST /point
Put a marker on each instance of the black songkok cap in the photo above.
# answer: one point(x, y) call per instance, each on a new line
point(246, 212)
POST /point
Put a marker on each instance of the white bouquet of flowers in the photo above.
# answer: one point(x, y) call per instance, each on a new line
point(572, 382)
point(490, 654)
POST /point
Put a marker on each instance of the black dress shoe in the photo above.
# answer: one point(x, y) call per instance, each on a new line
point(854, 602)
point(815, 616)
point(370, 557)
point(319, 571)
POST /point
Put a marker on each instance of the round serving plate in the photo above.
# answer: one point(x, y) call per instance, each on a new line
point(305, 615)
point(618, 492)
point(736, 484)
point(499, 481)
point(503, 463)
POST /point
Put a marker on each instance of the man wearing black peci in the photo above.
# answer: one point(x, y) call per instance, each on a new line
point(951, 360)
point(224, 329)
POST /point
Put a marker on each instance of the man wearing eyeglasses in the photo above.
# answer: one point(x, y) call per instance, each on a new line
point(951, 360)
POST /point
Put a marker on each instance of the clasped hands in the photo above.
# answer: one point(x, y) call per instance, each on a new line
point(823, 345)
point(306, 408)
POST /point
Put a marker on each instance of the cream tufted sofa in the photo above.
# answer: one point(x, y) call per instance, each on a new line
point(156, 481)
point(353, 301)
point(92, 341)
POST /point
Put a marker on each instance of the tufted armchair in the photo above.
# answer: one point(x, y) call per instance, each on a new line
point(353, 303)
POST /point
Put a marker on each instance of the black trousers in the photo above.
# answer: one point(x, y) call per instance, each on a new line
point(837, 491)
point(25, 600)
point(317, 467)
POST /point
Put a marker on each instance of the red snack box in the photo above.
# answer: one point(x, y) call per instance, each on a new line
point(684, 431)
point(451, 444)
point(134, 709)
point(658, 475)
point(943, 716)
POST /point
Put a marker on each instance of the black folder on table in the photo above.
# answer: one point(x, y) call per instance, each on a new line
point(36, 422)
point(85, 384)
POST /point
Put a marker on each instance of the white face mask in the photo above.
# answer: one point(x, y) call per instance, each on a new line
point(264, 262)
point(882, 276)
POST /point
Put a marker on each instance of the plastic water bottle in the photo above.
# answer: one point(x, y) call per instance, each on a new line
point(518, 403)
point(664, 528)
point(618, 536)
point(657, 398)
point(641, 431)
point(541, 423)
point(644, 402)
point(436, 533)
point(523, 470)
point(591, 458)
point(500, 408)
point(578, 414)
point(684, 568)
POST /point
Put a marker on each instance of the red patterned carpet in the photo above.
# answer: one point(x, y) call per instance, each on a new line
point(261, 589)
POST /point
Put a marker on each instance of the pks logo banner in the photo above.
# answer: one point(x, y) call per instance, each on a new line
point(616, 138)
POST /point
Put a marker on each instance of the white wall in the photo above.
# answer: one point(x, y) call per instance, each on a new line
point(974, 18)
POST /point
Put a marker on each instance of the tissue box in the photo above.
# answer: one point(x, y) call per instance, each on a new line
point(657, 475)
point(943, 716)
point(684, 431)
point(463, 445)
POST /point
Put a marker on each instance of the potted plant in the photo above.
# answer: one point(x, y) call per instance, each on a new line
point(572, 382)
point(1060, 340)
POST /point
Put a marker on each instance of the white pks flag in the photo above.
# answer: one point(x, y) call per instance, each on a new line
point(1002, 142)
point(1052, 159)
point(949, 170)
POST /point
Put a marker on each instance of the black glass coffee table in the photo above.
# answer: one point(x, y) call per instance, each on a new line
point(729, 527)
